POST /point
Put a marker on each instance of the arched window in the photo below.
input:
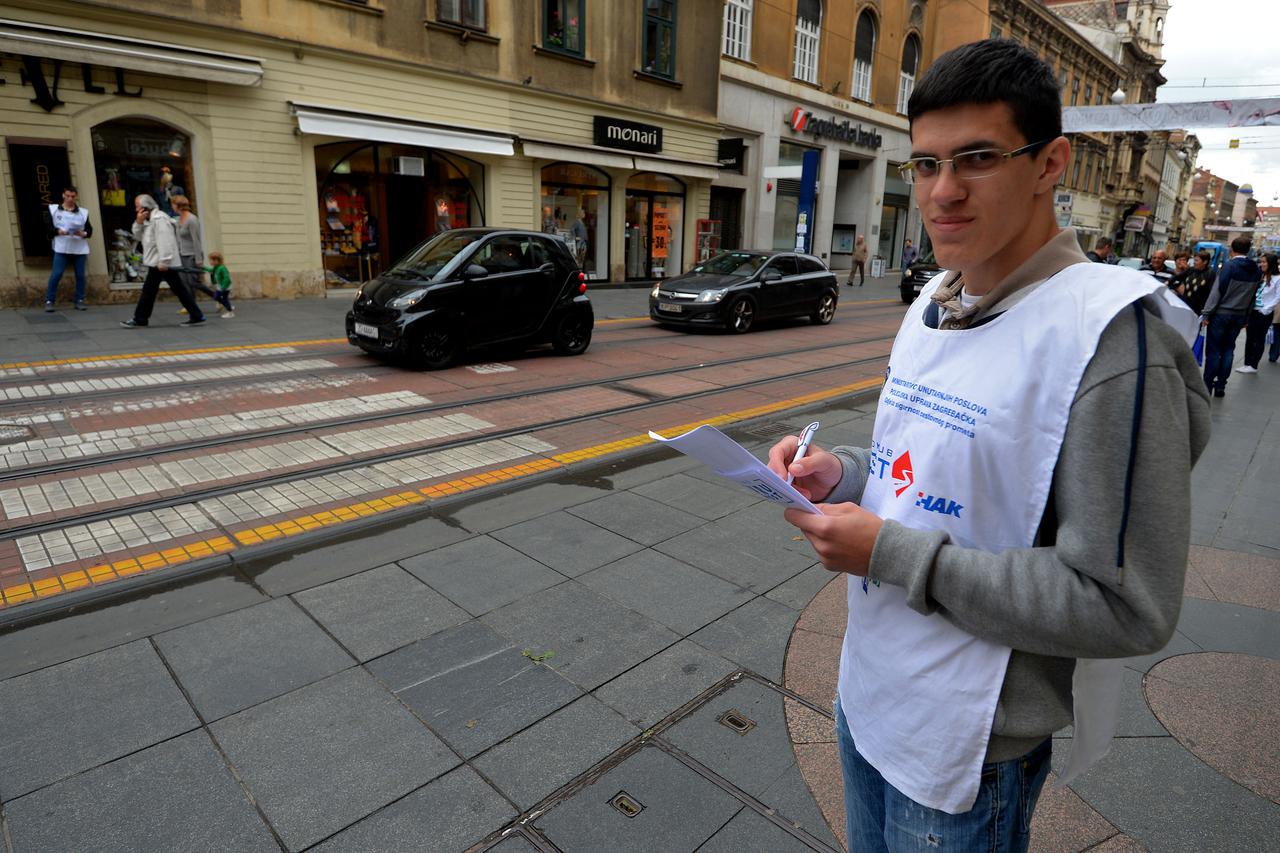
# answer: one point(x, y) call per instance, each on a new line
point(910, 65)
point(808, 36)
point(864, 52)
point(737, 29)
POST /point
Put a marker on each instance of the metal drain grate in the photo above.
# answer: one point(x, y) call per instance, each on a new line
point(626, 804)
point(736, 720)
point(14, 433)
point(773, 429)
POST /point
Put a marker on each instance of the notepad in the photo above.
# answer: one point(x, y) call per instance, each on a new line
point(734, 462)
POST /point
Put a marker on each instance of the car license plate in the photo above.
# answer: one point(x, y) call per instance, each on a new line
point(672, 309)
point(367, 330)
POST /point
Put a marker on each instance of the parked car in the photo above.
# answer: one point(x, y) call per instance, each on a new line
point(916, 276)
point(737, 289)
point(474, 287)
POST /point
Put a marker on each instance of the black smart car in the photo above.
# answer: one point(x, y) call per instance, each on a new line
point(916, 276)
point(474, 287)
point(735, 289)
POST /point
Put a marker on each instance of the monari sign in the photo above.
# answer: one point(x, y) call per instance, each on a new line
point(627, 135)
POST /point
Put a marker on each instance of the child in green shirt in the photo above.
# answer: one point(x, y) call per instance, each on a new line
point(221, 278)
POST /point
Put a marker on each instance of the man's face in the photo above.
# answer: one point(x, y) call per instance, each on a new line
point(1104, 251)
point(1157, 260)
point(69, 198)
point(971, 222)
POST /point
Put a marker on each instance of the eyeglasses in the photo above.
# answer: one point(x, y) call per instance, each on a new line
point(968, 165)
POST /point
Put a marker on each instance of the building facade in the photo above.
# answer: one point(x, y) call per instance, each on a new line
point(319, 140)
point(813, 98)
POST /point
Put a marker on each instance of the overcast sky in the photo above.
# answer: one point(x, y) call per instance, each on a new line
point(1228, 42)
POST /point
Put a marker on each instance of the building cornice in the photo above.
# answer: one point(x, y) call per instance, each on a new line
point(803, 93)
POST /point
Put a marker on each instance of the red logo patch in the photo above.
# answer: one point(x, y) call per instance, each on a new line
point(903, 475)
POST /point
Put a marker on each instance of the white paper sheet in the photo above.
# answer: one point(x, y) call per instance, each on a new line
point(734, 462)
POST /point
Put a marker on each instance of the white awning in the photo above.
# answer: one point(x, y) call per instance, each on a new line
point(326, 121)
point(169, 60)
point(575, 154)
point(683, 168)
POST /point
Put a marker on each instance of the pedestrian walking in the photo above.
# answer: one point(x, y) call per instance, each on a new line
point(221, 278)
point(1006, 542)
point(155, 230)
point(1226, 313)
point(1101, 251)
point(859, 261)
point(909, 254)
point(1261, 314)
point(190, 233)
point(68, 226)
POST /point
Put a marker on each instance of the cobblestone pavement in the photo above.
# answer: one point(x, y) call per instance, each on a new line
point(616, 652)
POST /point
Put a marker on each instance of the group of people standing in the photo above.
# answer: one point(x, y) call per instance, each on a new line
point(172, 250)
point(1244, 298)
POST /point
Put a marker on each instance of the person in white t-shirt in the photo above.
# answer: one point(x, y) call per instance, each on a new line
point(69, 228)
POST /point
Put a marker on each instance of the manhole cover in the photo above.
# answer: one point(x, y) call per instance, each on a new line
point(14, 433)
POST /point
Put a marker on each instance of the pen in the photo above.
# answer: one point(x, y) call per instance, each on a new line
point(806, 438)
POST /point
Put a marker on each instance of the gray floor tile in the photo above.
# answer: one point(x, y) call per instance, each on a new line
point(660, 685)
point(68, 718)
point(748, 832)
point(567, 543)
point(791, 798)
point(740, 556)
point(380, 610)
point(1157, 792)
point(177, 795)
point(547, 755)
point(753, 761)
point(452, 813)
point(481, 574)
point(1218, 627)
point(348, 734)
point(754, 636)
point(637, 518)
point(491, 513)
point(311, 565)
point(513, 844)
point(666, 590)
point(680, 809)
point(594, 639)
point(231, 662)
point(797, 592)
point(704, 499)
point(472, 686)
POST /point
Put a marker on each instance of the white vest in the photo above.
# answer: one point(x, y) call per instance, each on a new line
point(70, 221)
point(967, 435)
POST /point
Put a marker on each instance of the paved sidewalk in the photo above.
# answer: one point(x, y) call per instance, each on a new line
point(628, 656)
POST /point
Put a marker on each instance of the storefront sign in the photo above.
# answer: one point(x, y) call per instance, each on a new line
point(731, 154)
point(1062, 204)
point(45, 87)
point(628, 135)
point(1135, 223)
point(39, 174)
point(661, 233)
point(801, 120)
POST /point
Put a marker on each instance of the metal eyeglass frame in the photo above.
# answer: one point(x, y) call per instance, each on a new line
point(907, 169)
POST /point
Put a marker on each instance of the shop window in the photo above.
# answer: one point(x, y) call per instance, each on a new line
point(864, 52)
point(575, 208)
point(910, 65)
point(660, 38)
point(563, 25)
point(737, 29)
point(464, 13)
point(380, 201)
point(131, 157)
point(654, 231)
point(1075, 91)
point(808, 40)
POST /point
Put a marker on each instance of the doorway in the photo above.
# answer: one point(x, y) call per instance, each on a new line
point(654, 227)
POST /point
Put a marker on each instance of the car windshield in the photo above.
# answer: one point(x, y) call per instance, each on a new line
point(1131, 263)
point(740, 264)
point(435, 259)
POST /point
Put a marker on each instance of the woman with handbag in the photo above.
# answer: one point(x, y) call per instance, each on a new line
point(1260, 316)
point(191, 249)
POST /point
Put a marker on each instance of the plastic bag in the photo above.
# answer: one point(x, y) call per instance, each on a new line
point(1197, 349)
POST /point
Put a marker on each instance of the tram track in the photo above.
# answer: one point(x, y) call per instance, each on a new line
point(364, 461)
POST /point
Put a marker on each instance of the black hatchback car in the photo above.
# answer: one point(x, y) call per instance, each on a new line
point(735, 289)
point(916, 276)
point(470, 288)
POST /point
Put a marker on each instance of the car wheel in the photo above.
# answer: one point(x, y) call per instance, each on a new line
point(437, 348)
point(742, 314)
point(573, 334)
point(907, 298)
point(826, 310)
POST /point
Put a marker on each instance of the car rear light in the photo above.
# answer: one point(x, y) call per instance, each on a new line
point(582, 282)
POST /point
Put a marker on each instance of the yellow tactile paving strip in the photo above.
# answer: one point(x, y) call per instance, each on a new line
point(161, 353)
point(107, 572)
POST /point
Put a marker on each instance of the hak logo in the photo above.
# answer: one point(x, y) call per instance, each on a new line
point(943, 506)
point(904, 476)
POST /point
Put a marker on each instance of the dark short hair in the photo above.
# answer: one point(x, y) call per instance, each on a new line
point(994, 71)
point(1103, 243)
point(1241, 245)
point(1182, 256)
point(70, 189)
point(1204, 256)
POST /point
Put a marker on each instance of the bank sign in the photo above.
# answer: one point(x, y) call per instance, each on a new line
point(801, 120)
point(628, 135)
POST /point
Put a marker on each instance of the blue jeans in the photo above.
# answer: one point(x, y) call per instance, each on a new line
point(1220, 348)
point(60, 267)
point(880, 819)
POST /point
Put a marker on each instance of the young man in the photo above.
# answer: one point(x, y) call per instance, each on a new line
point(1023, 511)
point(1101, 252)
point(909, 254)
point(1226, 312)
point(69, 228)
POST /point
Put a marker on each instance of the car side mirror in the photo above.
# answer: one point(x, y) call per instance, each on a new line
point(474, 271)
point(770, 275)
